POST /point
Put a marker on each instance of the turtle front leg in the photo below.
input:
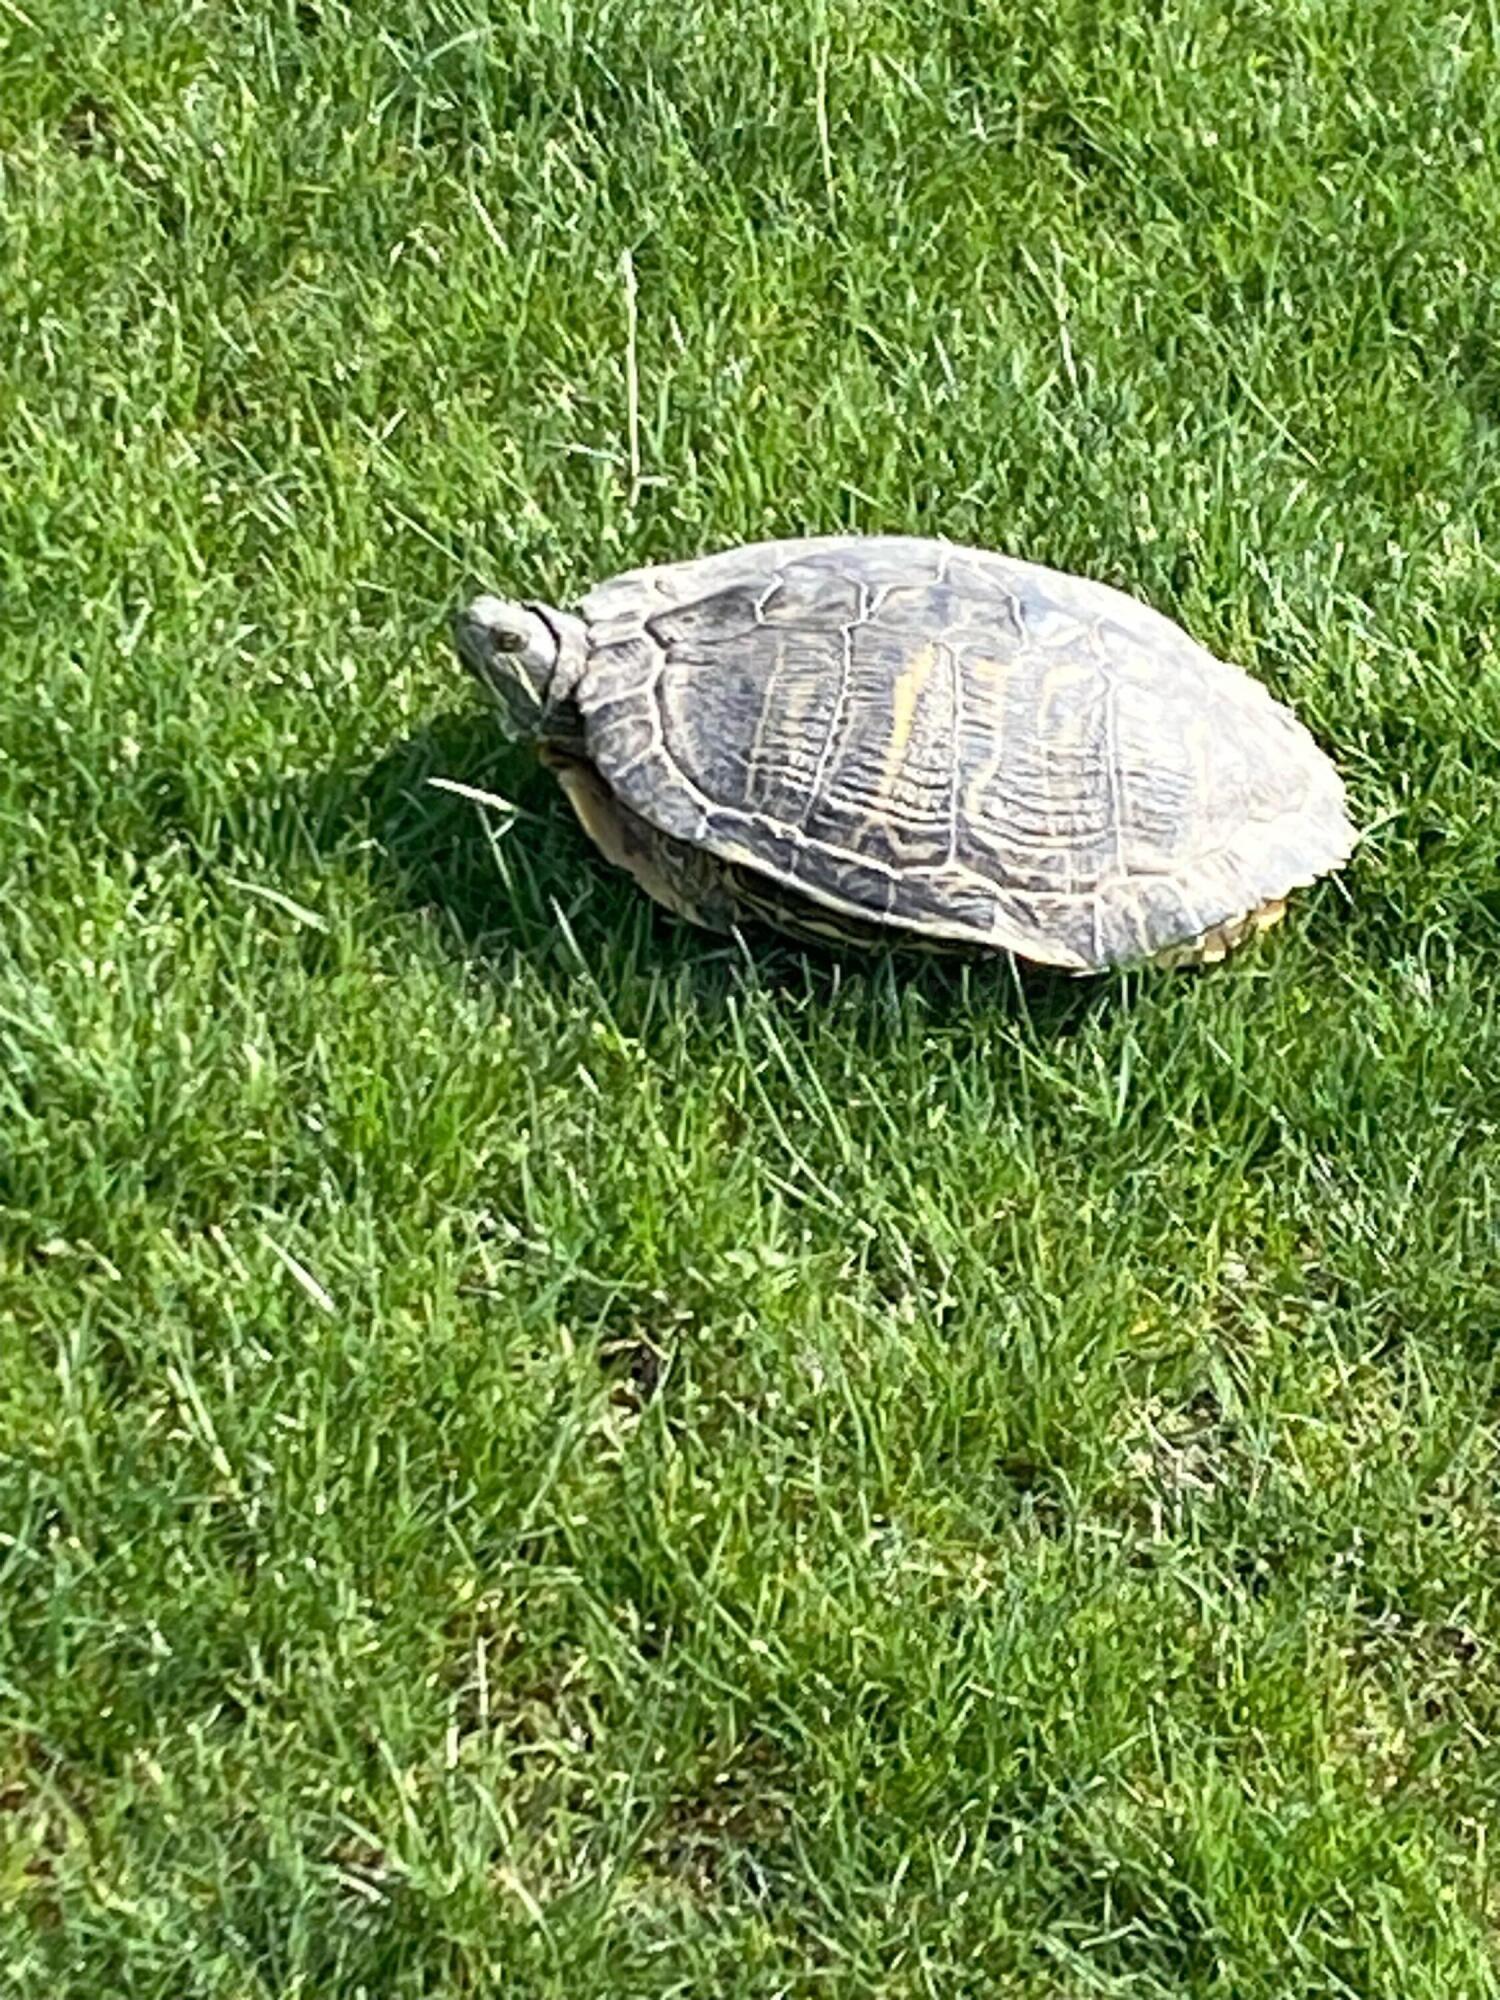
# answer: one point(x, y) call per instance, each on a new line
point(683, 880)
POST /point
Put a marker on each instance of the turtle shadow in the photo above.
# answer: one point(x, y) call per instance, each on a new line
point(511, 877)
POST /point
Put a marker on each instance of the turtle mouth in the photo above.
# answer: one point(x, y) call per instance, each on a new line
point(473, 641)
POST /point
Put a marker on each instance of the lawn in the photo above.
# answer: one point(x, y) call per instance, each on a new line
point(546, 1453)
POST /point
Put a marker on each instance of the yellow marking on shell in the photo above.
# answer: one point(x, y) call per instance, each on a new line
point(762, 720)
point(1065, 728)
point(905, 695)
point(990, 676)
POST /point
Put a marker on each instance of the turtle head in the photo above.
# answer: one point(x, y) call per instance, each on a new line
point(513, 650)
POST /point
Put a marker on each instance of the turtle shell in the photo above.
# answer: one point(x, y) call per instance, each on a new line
point(943, 740)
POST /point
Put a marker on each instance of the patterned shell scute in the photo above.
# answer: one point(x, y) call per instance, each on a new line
point(955, 742)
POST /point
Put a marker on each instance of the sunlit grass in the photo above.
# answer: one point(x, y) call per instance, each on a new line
point(544, 1453)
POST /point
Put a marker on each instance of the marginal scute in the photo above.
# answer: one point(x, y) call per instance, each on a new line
point(815, 597)
point(716, 620)
point(921, 738)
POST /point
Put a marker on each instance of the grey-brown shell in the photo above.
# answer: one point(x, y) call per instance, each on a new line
point(952, 742)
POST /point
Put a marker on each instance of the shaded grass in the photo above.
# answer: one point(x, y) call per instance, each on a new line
point(540, 1451)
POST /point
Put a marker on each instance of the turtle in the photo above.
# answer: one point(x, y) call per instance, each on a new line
point(900, 739)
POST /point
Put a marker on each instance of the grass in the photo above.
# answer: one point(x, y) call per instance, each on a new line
point(544, 1454)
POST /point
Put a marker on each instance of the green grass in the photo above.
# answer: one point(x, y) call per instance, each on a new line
point(544, 1454)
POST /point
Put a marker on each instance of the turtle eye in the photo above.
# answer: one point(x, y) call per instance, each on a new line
point(508, 642)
